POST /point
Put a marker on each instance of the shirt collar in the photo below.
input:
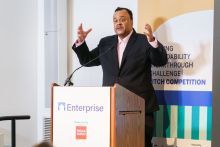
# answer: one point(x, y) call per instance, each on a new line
point(125, 40)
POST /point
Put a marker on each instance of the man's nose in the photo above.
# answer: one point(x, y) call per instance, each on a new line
point(119, 23)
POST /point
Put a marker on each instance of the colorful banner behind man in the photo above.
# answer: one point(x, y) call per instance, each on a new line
point(184, 85)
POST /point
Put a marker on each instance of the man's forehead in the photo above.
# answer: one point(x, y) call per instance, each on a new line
point(121, 13)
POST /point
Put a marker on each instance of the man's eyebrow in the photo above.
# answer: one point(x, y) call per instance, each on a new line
point(119, 16)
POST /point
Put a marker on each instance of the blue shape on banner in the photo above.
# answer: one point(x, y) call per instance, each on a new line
point(184, 98)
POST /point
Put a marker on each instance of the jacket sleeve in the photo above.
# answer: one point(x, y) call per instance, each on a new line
point(158, 56)
point(86, 57)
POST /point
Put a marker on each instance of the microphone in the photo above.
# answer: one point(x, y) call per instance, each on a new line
point(68, 79)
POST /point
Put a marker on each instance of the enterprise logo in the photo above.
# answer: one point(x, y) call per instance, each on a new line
point(62, 106)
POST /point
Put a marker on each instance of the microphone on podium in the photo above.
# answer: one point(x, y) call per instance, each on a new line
point(68, 81)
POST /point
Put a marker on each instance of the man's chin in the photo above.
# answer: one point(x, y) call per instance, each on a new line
point(119, 32)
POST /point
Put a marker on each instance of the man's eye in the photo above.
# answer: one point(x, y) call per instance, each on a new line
point(119, 20)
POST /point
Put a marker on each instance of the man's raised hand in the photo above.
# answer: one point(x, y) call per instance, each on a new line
point(81, 34)
point(149, 33)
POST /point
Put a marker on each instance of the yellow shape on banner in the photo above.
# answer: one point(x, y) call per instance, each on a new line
point(156, 12)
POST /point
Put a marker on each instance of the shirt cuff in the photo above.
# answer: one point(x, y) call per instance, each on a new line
point(77, 43)
point(154, 43)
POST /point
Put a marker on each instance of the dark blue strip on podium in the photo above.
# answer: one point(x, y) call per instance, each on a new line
point(184, 98)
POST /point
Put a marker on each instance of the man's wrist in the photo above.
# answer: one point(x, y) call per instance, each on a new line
point(154, 43)
point(78, 43)
point(151, 39)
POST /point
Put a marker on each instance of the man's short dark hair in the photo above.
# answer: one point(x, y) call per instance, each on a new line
point(126, 9)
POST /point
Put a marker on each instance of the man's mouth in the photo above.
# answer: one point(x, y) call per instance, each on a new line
point(119, 28)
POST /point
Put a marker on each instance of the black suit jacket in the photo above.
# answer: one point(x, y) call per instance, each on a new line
point(135, 71)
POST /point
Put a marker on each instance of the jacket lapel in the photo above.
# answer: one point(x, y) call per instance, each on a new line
point(115, 55)
point(128, 47)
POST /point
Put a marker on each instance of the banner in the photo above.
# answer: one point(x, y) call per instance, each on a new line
point(184, 85)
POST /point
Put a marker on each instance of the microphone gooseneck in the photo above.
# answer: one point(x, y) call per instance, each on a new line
point(68, 81)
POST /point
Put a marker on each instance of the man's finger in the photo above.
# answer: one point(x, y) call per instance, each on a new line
point(89, 30)
point(80, 27)
point(147, 27)
point(146, 33)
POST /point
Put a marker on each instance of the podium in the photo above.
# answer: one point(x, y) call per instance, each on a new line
point(97, 116)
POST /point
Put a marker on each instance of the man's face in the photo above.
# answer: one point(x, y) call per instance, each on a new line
point(123, 24)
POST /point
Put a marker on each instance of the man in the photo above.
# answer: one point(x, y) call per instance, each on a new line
point(126, 58)
point(44, 144)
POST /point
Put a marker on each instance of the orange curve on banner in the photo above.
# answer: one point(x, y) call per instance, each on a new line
point(156, 12)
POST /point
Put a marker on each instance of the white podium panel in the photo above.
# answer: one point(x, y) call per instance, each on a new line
point(81, 116)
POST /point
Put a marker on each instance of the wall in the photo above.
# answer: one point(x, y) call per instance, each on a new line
point(25, 63)
point(18, 65)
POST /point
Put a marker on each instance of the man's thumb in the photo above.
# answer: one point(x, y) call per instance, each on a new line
point(88, 31)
